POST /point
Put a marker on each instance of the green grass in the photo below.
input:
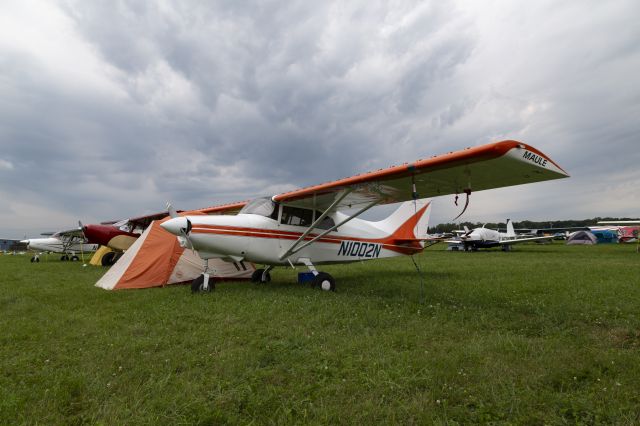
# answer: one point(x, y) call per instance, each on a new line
point(543, 335)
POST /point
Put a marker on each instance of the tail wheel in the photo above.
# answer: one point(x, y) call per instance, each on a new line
point(257, 276)
point(324, 281)
point(197, 285)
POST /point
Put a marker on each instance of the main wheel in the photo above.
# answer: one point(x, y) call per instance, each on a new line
point(34, 259)
point(197, 285)
point(324, 281)
point(64, 258)
point(108, 259)
point(75, 258)
point(256, 277)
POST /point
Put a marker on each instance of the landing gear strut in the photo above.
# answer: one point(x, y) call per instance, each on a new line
point(204, 283)
point(261, 275)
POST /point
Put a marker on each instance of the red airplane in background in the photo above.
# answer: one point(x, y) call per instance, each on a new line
point(119, 235)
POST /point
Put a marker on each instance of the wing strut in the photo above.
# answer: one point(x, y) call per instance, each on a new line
point(295, 249)
point(316, 222)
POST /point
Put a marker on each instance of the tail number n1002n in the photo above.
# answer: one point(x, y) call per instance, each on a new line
point(359, 249)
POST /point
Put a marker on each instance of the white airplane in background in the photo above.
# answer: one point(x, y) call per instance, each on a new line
point(311, 226)
point(69, 243)
point(487, 238)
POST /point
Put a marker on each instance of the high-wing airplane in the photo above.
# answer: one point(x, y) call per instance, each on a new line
point(487, 238)
point(68, 243)
point(319, 224)
point(118, 235)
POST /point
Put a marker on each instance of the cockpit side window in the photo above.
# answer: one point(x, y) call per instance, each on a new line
point(296, 216)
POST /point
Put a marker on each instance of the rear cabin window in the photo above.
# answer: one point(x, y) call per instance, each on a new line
point(326, 223)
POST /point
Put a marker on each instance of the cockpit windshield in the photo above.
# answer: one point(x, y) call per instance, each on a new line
point(123, 225)
point(260, 206)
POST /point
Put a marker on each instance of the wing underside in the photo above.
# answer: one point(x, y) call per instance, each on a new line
point(475, 169)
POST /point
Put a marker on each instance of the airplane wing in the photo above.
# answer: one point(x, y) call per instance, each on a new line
point(453, 241)
point(473, 169)
point(71, 233)
point(619, 222)
point(525, 240)
point(231, 208)
point(142, 221)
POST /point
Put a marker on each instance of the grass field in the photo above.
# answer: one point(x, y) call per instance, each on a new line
point(547, 334)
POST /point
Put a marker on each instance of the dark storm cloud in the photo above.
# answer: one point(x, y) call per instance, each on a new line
point(109, 109)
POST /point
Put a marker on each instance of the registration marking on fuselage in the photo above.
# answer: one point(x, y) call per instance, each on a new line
point(359, 249)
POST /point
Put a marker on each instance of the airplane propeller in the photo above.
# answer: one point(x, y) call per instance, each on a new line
point(467, 233)
point(184, 227)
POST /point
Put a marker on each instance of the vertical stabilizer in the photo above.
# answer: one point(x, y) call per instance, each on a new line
point(409, 221)
point(510, 231)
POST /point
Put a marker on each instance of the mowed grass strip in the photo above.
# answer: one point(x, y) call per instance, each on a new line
point(544, 334)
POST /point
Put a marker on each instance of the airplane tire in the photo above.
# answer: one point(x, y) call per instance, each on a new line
point(324, 281)
point(75, 258)
point(256, 277)
point(108, 259)
point(34, 259)
point(197, 285)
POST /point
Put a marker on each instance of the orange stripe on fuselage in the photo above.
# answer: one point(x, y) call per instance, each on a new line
point(389, 242)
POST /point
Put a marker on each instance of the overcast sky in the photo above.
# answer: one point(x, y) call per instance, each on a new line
point(108, 109)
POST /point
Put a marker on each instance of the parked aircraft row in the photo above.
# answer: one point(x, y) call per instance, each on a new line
point(487, 238)
point(321, 224)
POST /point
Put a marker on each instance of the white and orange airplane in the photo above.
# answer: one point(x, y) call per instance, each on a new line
point(319, 224)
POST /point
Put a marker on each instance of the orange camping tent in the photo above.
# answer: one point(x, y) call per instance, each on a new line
point(156, 259)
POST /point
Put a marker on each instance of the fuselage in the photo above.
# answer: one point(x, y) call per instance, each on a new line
point(484, 238)
point(56, 245)
point(110, 236)
point(261, 239)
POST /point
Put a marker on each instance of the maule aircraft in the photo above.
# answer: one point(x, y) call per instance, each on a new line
point(319, 224)
point(488, 238)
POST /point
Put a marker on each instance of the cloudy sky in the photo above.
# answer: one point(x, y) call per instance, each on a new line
point(110, 108)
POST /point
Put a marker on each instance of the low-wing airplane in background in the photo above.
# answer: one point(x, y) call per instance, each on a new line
point(311, 226)
point(68, 243)
point(479, 238)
